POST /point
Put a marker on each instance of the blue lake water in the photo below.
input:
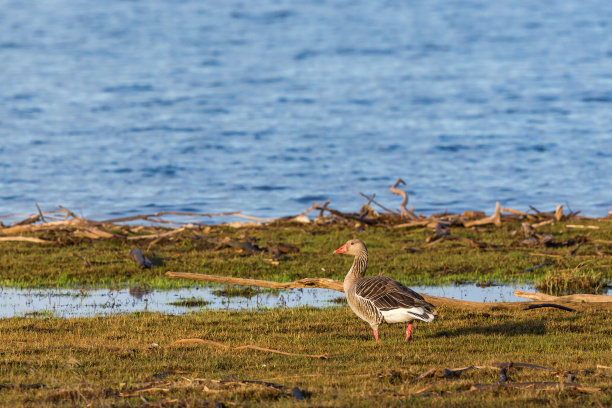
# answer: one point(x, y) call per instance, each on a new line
point(121, 107)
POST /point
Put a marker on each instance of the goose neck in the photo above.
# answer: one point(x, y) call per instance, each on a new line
point(357, 271)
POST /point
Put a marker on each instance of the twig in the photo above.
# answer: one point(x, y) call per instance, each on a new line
point(543, 223)
point(312, 207)
point(141, 391)
point(70, 213)
point(344, 215)
point(573, 251)
point(603, 367)
point(42, 217)
point(248, 346)
point(538, 266)
point(546, 255)
point(468, 241)
point(324, 207)
point(371, 200)
point(534, 209)
point(574, 226)
point(30, 220)
point(160, 235)
point(569, 309)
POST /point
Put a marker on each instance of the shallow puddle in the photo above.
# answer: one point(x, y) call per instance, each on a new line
point(95, 302)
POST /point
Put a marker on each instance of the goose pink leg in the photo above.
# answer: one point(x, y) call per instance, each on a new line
point(376, 334)
point(409, 332)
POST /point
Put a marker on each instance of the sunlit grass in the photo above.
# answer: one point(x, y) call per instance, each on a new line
point(48, 361)
point(109, 264)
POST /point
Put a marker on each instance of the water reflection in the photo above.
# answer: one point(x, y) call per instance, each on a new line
point(82, 302)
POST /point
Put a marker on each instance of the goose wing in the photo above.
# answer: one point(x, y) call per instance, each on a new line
point(388, 294)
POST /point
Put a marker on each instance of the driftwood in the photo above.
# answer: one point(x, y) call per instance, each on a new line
point(579, 298)
point(402, 193)
point(160, 235)
point(513, 211)
point(371, 200)
point(26, 239)
point(581, 226)
point(323, 283)
point(147, 217)
point(494, 219)
point(460, 238)
point(248, 346)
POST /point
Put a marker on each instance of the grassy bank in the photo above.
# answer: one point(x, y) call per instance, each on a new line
point(130, 360)
point(484, 253)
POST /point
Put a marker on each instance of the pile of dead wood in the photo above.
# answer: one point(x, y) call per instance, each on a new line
point(156, 227)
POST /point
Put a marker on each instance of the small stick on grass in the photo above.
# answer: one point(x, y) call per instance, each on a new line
point(569, 309)
point(248, 346)
point(573, 251)
point(538, 266)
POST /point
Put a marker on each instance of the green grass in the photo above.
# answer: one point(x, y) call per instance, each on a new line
point(504, 260)
point(48, 361)
point(91, 361)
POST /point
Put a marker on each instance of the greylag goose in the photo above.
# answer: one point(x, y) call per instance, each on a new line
point(379, 299)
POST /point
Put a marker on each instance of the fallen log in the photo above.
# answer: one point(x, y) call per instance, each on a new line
point(579, 298)
point(326, 283)
point(323, 283)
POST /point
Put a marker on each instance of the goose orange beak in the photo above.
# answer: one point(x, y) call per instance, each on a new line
point(342, 250)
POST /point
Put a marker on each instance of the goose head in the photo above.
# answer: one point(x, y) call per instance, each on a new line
point(352, 247)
